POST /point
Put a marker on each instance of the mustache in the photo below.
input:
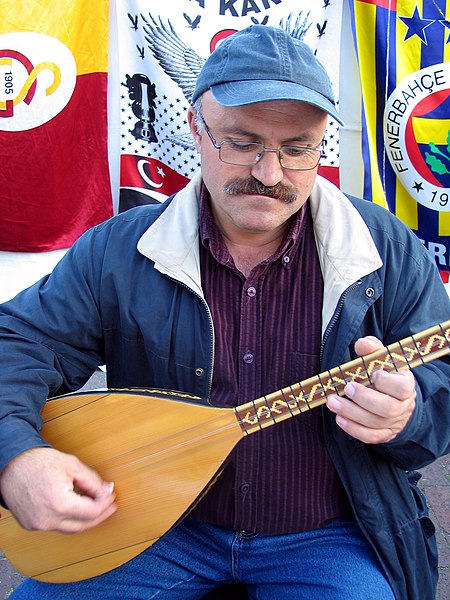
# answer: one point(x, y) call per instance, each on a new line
point(251, 186)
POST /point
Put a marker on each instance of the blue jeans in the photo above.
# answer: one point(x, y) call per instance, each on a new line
point(334, 563)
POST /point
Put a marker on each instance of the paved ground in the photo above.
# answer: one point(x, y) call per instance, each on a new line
point(435, 482)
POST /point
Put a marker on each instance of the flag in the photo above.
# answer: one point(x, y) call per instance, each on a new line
point(162, 47)
point(54, 175)
point(403, 48)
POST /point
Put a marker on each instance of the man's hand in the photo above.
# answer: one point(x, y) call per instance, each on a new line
point(48, 490)
point(375, 414)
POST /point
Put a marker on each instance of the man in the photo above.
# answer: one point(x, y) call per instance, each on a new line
point(256, 275)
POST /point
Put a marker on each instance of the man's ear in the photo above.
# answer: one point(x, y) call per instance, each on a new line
point(192, 121)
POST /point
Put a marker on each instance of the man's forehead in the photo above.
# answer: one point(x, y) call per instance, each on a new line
point(274, 109)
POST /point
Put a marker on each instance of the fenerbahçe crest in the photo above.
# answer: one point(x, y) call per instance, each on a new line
point(417, 135)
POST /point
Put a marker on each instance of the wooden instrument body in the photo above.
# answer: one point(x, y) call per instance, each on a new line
point(159, 453)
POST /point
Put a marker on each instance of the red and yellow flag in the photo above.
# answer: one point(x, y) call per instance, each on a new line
point(54, 175)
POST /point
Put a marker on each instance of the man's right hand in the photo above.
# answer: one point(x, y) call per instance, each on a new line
point(51, 491)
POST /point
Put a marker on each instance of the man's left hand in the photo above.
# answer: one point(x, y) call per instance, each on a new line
point(375, 414)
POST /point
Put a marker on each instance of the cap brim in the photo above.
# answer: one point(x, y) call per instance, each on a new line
point(240, 93)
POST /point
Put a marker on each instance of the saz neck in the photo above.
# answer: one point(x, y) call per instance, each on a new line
point(300, 397)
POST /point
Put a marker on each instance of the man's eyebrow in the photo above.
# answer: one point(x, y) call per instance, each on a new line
point(232, 130)
point(301, 138)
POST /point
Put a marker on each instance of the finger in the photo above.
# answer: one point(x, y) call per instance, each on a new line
point(367, 344)
point(362, 424)
point(86, 513)
point(386, 405)
point(88, 482)
point(369, 415)
point(365, 434)
point(69, 512)
point(350, 410)
point(400, 384)
point(85, 508)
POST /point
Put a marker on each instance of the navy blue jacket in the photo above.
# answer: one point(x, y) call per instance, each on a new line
point(128, 295)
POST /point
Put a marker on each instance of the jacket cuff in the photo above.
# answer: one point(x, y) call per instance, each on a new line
point(413, 424)
point(18, 436)
point(26, 447)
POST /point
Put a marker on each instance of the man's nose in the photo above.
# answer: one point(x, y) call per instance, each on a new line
point(268, 169)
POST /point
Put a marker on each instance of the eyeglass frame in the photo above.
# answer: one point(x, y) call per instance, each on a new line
point(218, 147)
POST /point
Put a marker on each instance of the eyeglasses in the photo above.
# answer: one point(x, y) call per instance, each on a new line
point(245, 154)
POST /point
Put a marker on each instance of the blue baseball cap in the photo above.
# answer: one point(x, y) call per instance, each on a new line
point(262, 63)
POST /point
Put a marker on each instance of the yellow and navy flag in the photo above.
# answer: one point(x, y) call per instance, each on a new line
point(403, 49)
point(54, 174)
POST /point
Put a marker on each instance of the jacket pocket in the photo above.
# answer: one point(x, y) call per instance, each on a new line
point(426, 526)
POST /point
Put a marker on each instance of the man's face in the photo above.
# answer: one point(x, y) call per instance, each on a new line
point(246, 211)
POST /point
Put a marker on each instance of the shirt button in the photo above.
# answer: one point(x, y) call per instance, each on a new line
point(370, 292)
point(244, 488)
point(286, 259)
point(199, 372)
point(251, 291)
point(248, 358)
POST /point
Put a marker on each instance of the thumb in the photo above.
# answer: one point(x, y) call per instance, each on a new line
point(367, 344)
point(88, 482)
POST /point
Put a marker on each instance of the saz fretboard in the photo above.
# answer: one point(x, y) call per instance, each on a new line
point(408, 353)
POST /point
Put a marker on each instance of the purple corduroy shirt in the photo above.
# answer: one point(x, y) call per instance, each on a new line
point(267, 336)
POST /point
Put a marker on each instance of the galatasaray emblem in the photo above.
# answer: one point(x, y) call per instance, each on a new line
point(37, 79)
point(417, 135)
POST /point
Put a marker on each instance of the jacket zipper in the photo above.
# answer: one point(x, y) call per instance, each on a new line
point(211, 330)
point(212, 343)
point(337, 312)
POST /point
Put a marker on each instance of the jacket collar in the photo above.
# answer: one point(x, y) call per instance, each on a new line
point(346, 249)
point(172, 241)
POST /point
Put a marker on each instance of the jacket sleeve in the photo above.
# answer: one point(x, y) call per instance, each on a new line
point(421, 301)
point(426, 436)
point(407, 297)
point(50, 343)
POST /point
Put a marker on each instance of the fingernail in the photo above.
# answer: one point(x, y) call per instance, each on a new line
point(108, 490)
point(334, 403)
point(375, 374)
point(349, 390)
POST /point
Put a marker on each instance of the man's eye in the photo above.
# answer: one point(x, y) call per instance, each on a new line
point(295, 151)
point(243, 146)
